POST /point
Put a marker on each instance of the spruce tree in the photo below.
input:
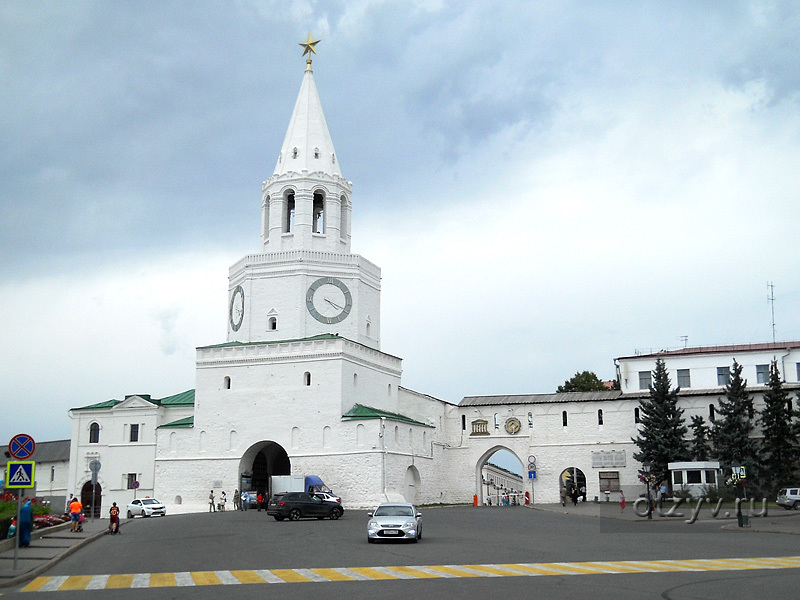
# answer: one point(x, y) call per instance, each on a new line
point(734, 427)
point(779, 450)
point(700, 448)
point(661, 438)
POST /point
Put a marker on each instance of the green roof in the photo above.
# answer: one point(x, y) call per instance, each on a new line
point(183, 399)
point(322, 336)
point(179, 424)
point(360, 412)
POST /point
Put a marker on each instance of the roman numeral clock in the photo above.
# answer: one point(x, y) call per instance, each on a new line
point(328, 300)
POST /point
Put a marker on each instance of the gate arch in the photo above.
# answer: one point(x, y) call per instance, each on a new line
point(261, 461)
point(480, 485)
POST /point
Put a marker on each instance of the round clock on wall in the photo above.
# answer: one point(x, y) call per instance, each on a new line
point(328, 300)
point(236, 309)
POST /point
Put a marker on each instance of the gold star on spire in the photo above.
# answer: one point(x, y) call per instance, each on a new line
point(309, 47)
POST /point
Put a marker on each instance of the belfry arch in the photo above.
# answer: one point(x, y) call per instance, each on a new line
point(261, 461)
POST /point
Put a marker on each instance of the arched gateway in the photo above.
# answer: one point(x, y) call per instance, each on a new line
point(261, 461)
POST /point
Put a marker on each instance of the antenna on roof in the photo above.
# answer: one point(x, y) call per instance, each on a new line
point(685, 340)
point(771, 300)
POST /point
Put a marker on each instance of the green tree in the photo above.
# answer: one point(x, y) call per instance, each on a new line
point(586, 381)
point(779, 450)
point(733, 428)
point(661, 438)
point(700, 447)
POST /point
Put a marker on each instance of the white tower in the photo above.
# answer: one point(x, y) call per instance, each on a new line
point(306, 282)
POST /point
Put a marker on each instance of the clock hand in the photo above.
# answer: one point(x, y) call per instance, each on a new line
point(333, 304)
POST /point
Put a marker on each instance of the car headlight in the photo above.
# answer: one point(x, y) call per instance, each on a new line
point(409, 526)
point(373, 525)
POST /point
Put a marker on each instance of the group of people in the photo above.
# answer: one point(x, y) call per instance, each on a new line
point(77, 518)
point(571, 491)
point(241, 501)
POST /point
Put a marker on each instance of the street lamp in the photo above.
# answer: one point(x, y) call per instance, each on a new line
point(647, 467)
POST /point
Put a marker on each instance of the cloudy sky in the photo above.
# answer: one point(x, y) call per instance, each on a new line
point(546, 185)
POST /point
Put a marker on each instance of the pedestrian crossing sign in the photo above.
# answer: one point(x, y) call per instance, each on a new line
point(20, 474)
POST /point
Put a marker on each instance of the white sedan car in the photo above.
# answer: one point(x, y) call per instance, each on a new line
point(394, 521)
point(146, 507)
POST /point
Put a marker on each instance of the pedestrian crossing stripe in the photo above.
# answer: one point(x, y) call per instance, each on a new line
point(320, 575)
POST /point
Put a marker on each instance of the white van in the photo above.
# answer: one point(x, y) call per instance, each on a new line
point(789, 498)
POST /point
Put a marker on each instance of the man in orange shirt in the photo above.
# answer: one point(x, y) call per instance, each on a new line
point(75, 510)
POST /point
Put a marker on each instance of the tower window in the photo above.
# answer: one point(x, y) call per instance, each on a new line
point(496, 421)
point(307, 378)
point(530, 420)
point(564, 418)
point(94, 433)
point(712, 413)
point(294, 152)
point(636, 418)
point(343, 219)
point(226, 383)
point(272, 324)
point(463, 422)
point(600, 417)
point(316, 152)
point(288, 215)
point(319, 213)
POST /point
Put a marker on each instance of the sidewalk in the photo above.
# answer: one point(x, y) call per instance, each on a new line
point(48, 546)
point(778, 520)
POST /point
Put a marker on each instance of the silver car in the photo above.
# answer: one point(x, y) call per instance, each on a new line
point(789, 498)
point(394, 521)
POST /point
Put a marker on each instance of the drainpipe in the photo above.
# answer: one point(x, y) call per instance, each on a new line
point(383, 455)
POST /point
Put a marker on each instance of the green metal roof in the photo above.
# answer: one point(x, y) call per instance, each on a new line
point(179, 424)
point(360, 412)
point(322, 336)
point(183, 399)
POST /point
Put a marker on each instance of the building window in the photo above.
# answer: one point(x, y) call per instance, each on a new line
point(530, 420)
point(711, 477)
point(52, 474)
point(134, 432)
point(644, 380)
point(94, 433)
point(343, 217)
point(694, 476)
point(684, 379)
point(288, 216)
point(316, 152)
point(226, 383)
point(600, 417)
point(307, 378)
point(272, 324)
point(798, 371)
point(564, 418)
point(712, 413)
point(677, 477)
point(496, 421)
point(762, 373)
point(723, 376)
point(636, 415)
point(463, 422)
point(609, 481)
point(294, 152)
point(131, 480)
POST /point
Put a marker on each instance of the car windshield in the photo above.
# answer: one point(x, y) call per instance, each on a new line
point(394, 511)
point(150, 501)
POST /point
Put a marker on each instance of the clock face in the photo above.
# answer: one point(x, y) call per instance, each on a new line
point(236, 309)
point(513, 425)
point(328, 300)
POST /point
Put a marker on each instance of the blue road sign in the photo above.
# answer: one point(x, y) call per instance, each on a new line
point(20, 474)
point(21, 446)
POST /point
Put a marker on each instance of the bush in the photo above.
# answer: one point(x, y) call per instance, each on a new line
point(8, 512)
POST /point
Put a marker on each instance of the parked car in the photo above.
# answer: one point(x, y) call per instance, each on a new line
point(394, 521)
point(328, 496)
point(146, 507)
point(295, 505)
point(789, 498)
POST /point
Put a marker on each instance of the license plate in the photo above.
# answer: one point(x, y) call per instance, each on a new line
point(392, 532)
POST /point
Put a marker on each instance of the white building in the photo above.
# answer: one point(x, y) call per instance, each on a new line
point(302, 386)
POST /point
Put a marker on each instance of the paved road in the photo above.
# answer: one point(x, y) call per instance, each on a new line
point(466, 553)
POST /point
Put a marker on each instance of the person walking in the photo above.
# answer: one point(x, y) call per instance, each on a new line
point(621, 501)
point(113, 512)
point(563, 493)
point(259, 501)
point(237, 500)
point(211, 506)
point(245, 499)
point(25, 524)
point(222, 500)
point(75, 510)
point(69, 501)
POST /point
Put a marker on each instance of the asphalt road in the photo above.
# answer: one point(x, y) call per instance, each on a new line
point(243, 541)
